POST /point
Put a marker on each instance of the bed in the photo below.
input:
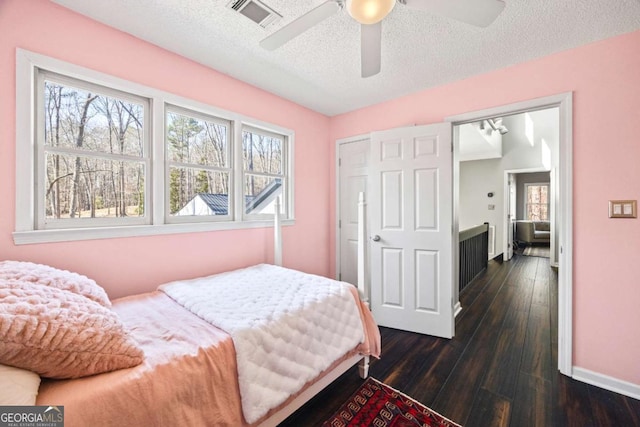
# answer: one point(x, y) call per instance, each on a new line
point(203, 365)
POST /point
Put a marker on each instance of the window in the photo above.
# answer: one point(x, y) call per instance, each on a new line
point(101, 157)
point(263, 158)
point(537, 202)
point(199, 177)
point(93, 157)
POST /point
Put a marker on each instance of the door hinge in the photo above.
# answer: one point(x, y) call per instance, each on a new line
point(340, 276)
point(339, 162)
point(339, 223)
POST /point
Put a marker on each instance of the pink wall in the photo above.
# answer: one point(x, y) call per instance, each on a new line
point(126, 266)
point(604, 79)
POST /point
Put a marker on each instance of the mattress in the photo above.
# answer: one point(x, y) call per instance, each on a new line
point(287, 326)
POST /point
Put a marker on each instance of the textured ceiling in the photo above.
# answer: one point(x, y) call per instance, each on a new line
point(320, 69)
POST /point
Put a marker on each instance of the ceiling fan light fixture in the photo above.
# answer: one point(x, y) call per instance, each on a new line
point(369, 11)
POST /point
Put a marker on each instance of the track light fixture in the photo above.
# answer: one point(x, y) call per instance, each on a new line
point(496, 124)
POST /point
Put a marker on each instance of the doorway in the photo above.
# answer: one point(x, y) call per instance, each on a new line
point(495, 156)
point(561, 201)
point(531, 212)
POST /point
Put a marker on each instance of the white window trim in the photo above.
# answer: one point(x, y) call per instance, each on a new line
point(44, 223)
point(205, 117)
point(27, 64)
point(526, 193)
point(285, 204)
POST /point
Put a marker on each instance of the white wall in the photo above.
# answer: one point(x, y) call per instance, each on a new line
point(477, 179)
point(530, 144)
point(478, 144)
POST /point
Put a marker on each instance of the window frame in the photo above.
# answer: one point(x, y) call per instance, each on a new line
point(27, 228)
point(169, 219)
point(41, 149)
point(526, 197)
point(284, 175)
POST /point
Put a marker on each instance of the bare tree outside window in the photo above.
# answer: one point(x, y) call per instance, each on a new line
point(262, 155)
point(93, 149)
point(100, 156)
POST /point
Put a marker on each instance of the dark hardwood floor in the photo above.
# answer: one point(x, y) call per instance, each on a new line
point(499, 370)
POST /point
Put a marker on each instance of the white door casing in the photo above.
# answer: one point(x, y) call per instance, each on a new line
point(410, 210)
point(353, 164)
point(553, 205)
point(511, 214)
point(563, 214)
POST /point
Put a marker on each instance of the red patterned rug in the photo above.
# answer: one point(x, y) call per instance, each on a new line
point(377, 404)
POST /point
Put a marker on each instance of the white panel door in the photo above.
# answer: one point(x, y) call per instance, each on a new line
point(410, 208)
point(353, 161)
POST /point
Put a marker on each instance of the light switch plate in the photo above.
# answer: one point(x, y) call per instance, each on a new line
point(622, 208)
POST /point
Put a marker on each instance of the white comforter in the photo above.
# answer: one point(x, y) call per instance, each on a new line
point(286, 327)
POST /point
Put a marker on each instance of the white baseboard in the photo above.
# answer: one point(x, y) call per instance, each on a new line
point(606, 382)
point(457, 309)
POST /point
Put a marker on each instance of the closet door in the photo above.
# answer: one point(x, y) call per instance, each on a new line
point(353, 164)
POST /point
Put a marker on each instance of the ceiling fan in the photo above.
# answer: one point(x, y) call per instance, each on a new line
point(370, 13)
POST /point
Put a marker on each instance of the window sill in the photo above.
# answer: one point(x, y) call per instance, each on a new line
point(74, 234)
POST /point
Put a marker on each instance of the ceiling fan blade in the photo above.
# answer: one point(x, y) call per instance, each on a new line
point(300, 25)
point(480, 13)
point(371, 48)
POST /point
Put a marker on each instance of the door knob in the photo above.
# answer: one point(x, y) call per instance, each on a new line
point(376, 238)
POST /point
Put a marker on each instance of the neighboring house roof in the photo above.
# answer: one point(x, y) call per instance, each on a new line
point(219, 203)
point(265, 196)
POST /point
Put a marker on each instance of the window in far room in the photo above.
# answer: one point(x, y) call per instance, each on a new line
point(537, 202)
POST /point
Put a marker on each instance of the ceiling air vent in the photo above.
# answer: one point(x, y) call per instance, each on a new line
point(255, 10)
